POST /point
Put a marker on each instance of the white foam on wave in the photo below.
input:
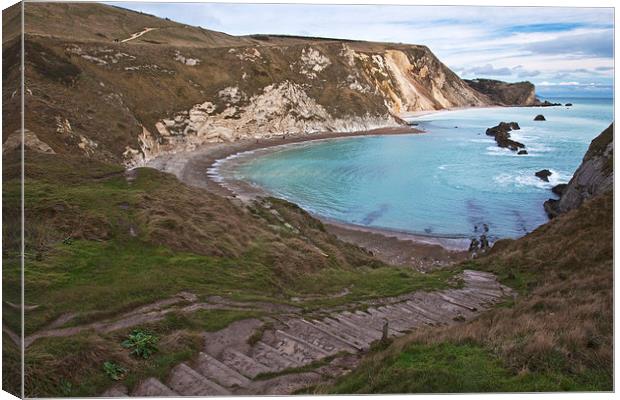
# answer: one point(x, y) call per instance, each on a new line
point(528, 178)
point(481, 140)
point(499, 151)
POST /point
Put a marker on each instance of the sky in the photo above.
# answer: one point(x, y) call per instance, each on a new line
point(563, 51)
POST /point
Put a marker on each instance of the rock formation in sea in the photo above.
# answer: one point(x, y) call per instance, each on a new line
point(501, 133)
point(540, 117)
point(594, 176)
point(544, 174)
point(130, 94)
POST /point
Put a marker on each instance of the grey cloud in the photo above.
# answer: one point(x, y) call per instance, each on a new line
point(597, 44)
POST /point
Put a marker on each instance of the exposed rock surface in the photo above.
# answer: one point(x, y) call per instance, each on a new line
point(595, 175)
point(501, 133)
point(543, 174)
point(559, 189)
point(540, 117)
point(504, 93)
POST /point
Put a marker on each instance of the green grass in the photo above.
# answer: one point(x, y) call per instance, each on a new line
point(451, 368)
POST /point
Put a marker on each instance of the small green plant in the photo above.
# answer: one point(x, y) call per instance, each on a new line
point(114, 371)
point(143, 343)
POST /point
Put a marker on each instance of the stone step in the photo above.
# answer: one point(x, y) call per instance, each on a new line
point(296, 348)
point(310, 334)
point(398, 318)
point(152, 387)
point(393, 324)
point(267, 355)
point(243, 364)
point(351, 330)
point(188, 382)
point(450, 298)
point(366, 319)
point(217, 371)
point(414, 316)
point(354, 341)
point(474, 296)
point(470, 297)
point(422, 317)
point(427, 313)
point(345, 339)
point(441, 307)
point(364, 322)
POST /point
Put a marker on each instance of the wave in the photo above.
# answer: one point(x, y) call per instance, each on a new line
point(528, 178)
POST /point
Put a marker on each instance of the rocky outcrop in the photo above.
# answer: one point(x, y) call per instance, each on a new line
point(595, 175)
point(501, 133)
point(543, 175)
point(546, 103)
point(540, 117)
point(504, 93)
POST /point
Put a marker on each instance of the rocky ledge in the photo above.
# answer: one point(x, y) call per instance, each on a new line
point(501, 133)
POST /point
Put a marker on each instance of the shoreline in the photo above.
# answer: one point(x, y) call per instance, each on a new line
point(401, 248)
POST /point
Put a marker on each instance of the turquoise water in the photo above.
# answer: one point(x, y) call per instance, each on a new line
point(447, 182)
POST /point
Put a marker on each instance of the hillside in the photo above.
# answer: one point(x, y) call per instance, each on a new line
point(122, 87)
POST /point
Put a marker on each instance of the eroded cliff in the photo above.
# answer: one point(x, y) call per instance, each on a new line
point(594, 176)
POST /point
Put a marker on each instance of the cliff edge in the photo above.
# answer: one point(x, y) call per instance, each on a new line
point(594, 176)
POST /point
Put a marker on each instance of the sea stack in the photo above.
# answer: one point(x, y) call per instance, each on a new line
point(544, 174)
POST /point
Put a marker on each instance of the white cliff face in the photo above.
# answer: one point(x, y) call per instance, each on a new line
point(283, 109)
point(312, 62)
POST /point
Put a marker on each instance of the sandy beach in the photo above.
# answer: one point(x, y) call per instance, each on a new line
point(399, 248)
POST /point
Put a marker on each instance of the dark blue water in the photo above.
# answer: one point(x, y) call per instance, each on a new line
point(449, 181)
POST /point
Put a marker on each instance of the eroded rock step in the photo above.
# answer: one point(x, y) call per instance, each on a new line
point(455, 300)
point(152, 387)
point(359, 326)
point(396, 318)
point(371, 326)
point(330, 344)
point(296, 348)
point(212, 368)
point(353, 332)
point(233, 364)
point(188, 382)
point(243, 364)
point(267, 355)
point(338, 335)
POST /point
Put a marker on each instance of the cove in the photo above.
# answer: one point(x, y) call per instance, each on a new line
point(451, 181)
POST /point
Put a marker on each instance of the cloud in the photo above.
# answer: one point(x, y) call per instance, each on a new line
point(597, 43)
point(488, 70)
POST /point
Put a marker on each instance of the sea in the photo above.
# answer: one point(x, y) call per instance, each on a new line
point(452, 181)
